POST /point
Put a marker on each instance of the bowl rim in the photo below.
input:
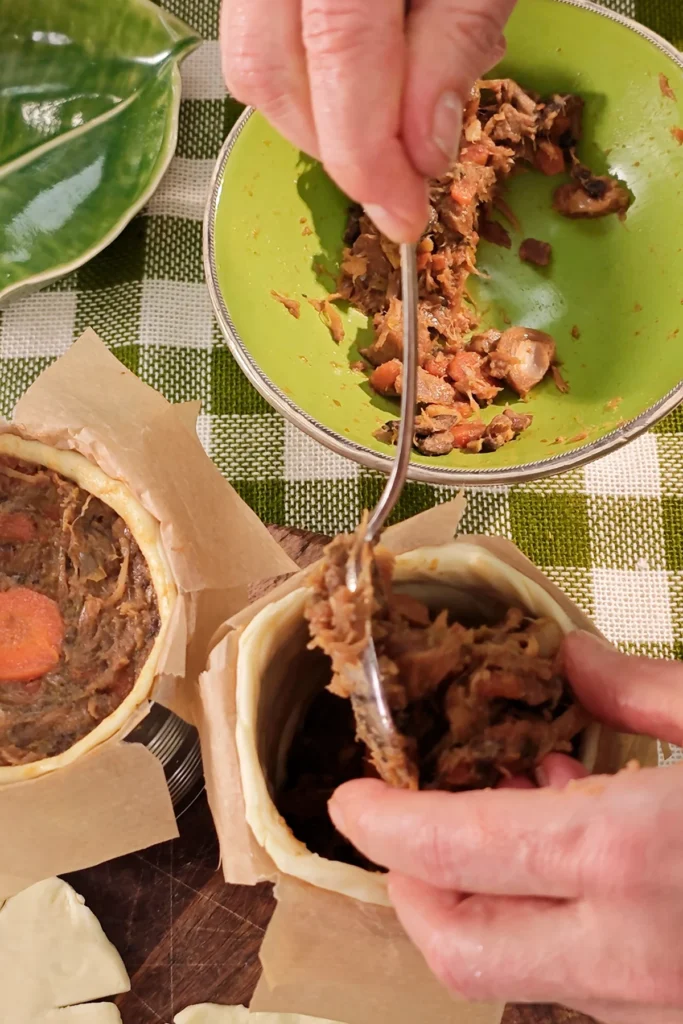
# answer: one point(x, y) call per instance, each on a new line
point(365, 456)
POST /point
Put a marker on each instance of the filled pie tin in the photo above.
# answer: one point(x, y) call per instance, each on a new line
point(176, 745)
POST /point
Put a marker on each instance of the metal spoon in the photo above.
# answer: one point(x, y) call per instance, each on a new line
point(371, 709)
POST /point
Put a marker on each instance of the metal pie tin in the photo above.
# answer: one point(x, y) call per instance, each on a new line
point(176, 745)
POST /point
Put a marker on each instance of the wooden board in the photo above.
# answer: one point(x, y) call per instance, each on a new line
point(187, 937)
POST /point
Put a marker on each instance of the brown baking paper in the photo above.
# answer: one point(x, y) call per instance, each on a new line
point(64, 821)
point(115, 800)
point(325, 954)
point(365, 972)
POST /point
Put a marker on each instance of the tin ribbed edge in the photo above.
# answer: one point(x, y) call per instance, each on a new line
point(176, 745)
point(172, 733)
point(188, 775)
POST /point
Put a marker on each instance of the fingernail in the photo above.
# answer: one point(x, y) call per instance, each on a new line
point(448, 124)
point(391, 225)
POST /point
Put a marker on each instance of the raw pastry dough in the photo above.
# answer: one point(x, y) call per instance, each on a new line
point(147, 533)
point(270, 695)
point(210, 1013)
point(55, 956)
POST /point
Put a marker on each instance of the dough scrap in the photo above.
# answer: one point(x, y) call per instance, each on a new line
point(211, 1013)
point(54, 957)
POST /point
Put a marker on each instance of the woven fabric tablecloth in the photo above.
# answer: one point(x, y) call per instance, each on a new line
point(610, 535)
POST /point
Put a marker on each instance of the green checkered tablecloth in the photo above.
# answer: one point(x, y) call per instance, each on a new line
point(610, 535)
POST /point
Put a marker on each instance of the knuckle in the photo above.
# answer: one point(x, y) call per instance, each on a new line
point(335, 31)
point(628, 859)
point(473, 29)
point(478, 25)
point(257, 67)
point(434, 847)
point(253, 77)
point(615, 859)
point(558, 856)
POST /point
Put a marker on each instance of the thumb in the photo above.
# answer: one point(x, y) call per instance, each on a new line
point(638, 695)
point(450, 44)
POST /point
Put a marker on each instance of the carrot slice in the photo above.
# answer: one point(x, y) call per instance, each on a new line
point(31, 635)
point(16, 527)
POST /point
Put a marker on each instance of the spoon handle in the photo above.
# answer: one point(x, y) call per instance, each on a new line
point(399, 471)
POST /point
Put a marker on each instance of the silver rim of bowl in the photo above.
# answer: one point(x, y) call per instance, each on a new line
point(366, 456)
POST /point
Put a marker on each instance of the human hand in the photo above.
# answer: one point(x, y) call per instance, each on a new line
point(576, 890)
point(376, 96)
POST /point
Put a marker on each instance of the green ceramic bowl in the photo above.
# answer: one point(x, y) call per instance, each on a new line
point(619, 283)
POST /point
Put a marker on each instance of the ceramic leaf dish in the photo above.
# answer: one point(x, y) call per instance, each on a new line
point(89, 99)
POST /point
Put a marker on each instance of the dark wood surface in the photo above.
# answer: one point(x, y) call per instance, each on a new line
point(187, 937)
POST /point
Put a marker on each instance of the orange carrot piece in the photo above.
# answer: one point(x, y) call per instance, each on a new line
point(462, 192)
point(549, 158)
point(383, 379)
point(464, 410)
point(16, 528)
point(463, 365)
point(436, 366)
point(31, 635)
point(475, 153)
point(465, 434)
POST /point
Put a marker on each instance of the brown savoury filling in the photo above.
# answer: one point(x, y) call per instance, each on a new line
point(476, 703)
point(506, 129)
point(324, 754)
point(71, 547)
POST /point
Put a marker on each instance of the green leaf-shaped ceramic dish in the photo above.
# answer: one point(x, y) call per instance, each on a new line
point(620, 284)
point(89, 98)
